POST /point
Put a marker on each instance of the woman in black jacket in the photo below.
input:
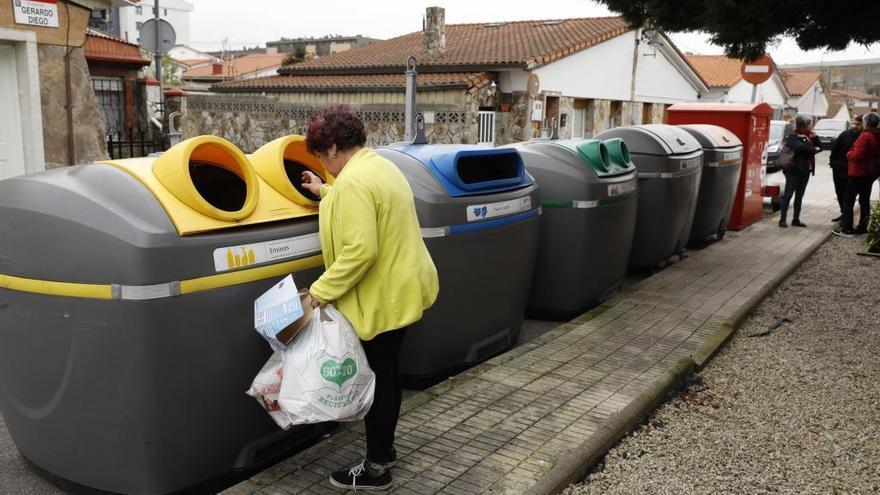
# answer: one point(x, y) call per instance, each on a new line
point(804, 145)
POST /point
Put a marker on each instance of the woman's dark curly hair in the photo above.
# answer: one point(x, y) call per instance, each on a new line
point(335, 125)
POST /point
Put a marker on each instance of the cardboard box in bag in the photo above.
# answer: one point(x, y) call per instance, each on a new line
point(281, 312)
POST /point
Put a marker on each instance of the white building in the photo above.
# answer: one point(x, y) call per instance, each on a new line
point(726, 84)
point(808, 93)
point(511, 81)
point(176, 12)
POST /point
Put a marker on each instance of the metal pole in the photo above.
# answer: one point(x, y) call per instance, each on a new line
point(158, 53)
point(410, 100)
point(754, 92)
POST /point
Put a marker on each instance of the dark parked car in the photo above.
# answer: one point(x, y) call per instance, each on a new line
point(827, 131)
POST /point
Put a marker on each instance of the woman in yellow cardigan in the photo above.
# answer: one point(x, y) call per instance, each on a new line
point(378, 271)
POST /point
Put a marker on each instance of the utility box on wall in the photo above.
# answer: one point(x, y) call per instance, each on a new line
point(750, 122)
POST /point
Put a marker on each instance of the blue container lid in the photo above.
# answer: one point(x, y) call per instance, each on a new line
point(466, 170)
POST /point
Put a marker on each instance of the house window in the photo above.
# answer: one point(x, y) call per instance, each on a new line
point(165, 13)
point(139, 10)
point(138, 25)
point(110, 96)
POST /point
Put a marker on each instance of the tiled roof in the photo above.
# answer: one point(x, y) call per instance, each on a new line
point(717, 70)
point(359, 82)
point(852, 93)
point(523, 44)
point(797, 82)
point(835, 103)
point(237, 67)
point(101, 47)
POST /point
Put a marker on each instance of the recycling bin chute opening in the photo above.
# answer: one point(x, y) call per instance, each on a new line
point(722, 156)
point(125, 350)
point(478, 210)
point(669, 162)
point(588, 190)
point(281, 164)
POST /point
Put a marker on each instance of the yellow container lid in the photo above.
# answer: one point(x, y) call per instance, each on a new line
point(206, 183)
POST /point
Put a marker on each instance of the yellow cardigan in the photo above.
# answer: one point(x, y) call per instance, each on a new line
point(378, 270)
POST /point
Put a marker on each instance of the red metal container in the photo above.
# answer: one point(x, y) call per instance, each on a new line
point(751, 124)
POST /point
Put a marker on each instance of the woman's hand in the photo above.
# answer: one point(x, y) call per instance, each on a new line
point(312, 183)
point(315, 301)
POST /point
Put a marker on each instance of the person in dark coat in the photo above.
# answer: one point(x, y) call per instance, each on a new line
point(839, 163)
point(865, 150)
point(804, 145)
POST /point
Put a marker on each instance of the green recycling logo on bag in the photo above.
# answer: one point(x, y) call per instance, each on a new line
point(335, 372)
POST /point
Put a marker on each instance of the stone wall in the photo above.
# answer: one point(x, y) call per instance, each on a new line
point(88, 133)
point(252, 121)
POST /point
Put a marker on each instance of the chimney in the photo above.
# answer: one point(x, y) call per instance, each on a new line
point(435, 31)
point(217, 69)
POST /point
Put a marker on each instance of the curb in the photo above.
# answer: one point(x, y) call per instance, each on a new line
point(579, 461)
point(728, 327)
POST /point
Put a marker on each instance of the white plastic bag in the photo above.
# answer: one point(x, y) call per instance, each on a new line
point(266, 387)
point(324, 375)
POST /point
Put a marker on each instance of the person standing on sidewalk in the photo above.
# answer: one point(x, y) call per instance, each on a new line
point(804, 145)
point(839, 163)
point(864, 153)
point(379, 273)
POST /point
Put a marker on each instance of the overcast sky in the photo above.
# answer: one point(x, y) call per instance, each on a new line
point(253, 22)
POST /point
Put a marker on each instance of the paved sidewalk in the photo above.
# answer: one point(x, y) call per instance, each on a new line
point(535, 418)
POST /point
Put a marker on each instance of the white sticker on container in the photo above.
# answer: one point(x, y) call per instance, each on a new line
point(232, 257)
point(501, 208)
point(734, 155)
point(622, 188)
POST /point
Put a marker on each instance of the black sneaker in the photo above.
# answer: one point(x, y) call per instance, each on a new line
point(783, 224)
point(842, 232)
point(798, 223)
point(861, 231)
point(362, 476)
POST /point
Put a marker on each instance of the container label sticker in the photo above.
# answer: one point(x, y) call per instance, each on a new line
point(693, 162)
point(734, 155)
point(232, 257)
point(501, 208)
point(622, 188)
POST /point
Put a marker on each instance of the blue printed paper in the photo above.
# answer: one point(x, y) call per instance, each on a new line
point(275, 310)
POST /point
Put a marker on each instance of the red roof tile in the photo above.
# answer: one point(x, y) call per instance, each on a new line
point(523, 43)
point(717, 70)
point(854, 94)
point(797, 82)
point(359, 82)
point(101, 47)
point(237, 67)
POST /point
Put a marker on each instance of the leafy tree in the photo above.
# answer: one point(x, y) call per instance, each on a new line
point(746, 27)
point(170, 71)
point(296, 56)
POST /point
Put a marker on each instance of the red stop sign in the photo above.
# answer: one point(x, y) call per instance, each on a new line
point(758, 71)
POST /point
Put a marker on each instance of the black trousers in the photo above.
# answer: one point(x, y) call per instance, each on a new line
point(840, 180)
point(382, 354)
point(861, 187)
point(795, 185)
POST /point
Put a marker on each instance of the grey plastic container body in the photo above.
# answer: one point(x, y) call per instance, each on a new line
point(722, 159)
point(484, 279)
point(584, 250)
point(669, 161)
point(129, 396)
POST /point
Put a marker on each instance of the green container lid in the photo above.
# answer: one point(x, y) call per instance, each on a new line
point(620, 161)
point(592, 151)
